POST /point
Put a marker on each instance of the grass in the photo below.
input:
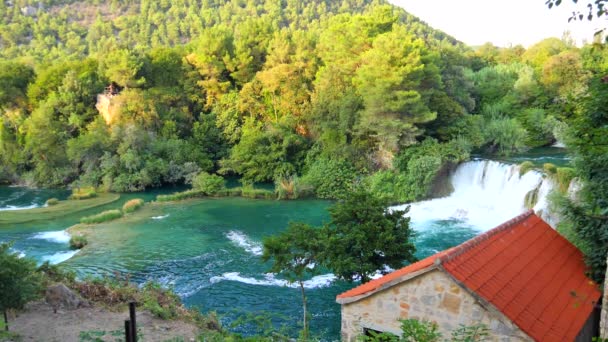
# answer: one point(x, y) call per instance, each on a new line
point(251, 192)
point(564, 177)
point(525, 167)
point(78, 242)
point(83, 193)
point(247, 192)
point(52, 201)
point(179, 196)
point(61, 209)
point(132, 205)
point(104, 216)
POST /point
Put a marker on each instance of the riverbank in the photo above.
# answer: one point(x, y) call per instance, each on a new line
point(62, 208)
point(38, 322)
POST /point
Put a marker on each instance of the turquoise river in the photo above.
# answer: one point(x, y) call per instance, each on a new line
point(209, 250)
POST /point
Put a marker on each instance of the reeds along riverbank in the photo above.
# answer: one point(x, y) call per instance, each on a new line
point(62, 208)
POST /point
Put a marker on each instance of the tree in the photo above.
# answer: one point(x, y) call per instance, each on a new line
point(295, 253)
point(596, 8)
point(363, 236)
point(19, 281)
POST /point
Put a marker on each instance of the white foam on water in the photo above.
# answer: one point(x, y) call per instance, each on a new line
point(486, 194)
point(20, 254)
point(59, 257)
point(15, 207)
point(60, 236)
point(270, 280)
point(160, 217)
point(243, 241)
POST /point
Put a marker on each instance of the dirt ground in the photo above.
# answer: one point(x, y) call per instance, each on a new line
point(39, 323)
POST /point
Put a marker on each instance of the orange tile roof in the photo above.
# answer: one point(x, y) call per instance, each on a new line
point(525, 269)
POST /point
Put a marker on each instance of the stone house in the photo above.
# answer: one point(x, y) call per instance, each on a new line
point(522, 279)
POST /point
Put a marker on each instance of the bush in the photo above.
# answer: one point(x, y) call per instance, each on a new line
point(292, 187)
point(83, 193)
point(52, 201)
point(180, 196)
point(550, 169)
point(249, 191)
point(132, 205)
point(330, 178)
point(78, 242)
point(564, 177)
point(504, 136)
point(105, 216)
point(209, 184)
point(525, 167)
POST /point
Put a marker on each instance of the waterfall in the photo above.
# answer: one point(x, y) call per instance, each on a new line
point(486, 194)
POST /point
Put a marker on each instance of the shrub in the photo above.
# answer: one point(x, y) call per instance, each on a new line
point(105, 216)
point(180, 196)
point(525, 167)
point(330, 178)
point(83, 193)
point(504, 136)
point(78, 242)
point(564, 177)
point(132, 205)
point(420, 331)
point(52, 201)
point(291, 187)
point(550, 169)
point(209, 184)
point(249, 191)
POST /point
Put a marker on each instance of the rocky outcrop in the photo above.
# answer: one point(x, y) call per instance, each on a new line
point(60, 296)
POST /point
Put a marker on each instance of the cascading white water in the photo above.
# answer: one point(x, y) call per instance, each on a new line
point(486, 194)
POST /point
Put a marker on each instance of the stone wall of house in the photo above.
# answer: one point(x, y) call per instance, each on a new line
point(432, 296)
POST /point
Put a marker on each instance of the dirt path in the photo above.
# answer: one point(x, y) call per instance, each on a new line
point(39, 323)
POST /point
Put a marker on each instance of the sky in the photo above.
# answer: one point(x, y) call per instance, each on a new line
point(501, 22)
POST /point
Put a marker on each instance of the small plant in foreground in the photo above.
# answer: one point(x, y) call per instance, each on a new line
point(52, 201)
point(78, 241)
point(132, 205)
point(104, 216)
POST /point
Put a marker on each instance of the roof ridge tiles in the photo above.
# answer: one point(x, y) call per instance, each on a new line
point(467, 245)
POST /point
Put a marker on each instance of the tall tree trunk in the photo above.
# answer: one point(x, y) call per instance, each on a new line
point(305, 320)
point(5, 320)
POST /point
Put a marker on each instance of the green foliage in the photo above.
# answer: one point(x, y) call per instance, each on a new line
point(550, 169)
point(564, 176)
point(472, 333)
point(51, 201)
point(180, 196)
point(525, 167)
point(330, 178)
point(419, 331)
point(417, 170)
point(249, 191)
point(208, 184)
point(363, 236)
point(56, 274)
point(19, 281)
point(294, 254)
point(83, 193)
point(104, 216)
point(78, 242)
point(539, 127)
point(504, 136)
point(587, 139)
point(132, 205)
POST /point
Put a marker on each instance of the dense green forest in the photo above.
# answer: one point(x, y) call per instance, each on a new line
point(319, 94)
